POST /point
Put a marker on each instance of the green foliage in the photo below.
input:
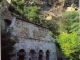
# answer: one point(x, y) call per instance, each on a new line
point(7, 43)
point(68, 39)
point(69, 44)
point(33, 0)
point(53, 27)
point(70, 21)
point(18, 5)
point(32, 13)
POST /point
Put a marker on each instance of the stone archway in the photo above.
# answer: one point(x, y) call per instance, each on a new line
point(47, 55)
point(32, 54)
point(21, 54)
point(40, 55)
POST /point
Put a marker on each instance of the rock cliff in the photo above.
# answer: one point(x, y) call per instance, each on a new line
point(54, 8)
point(57, 7)
point(51, 9)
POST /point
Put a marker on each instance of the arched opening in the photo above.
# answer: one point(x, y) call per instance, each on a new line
point(32, 55)
point(21, 54)
point(7, 22)
point(40, 55)
point(47, 55)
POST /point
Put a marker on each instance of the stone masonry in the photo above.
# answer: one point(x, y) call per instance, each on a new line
point(33, 38)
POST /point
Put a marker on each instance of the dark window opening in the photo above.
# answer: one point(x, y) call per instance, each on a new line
point(32, 55)
point(7, 22)
point(22, 50)
point(40, 55)
point(32, 51)
point(21, 54)
point(47, 55)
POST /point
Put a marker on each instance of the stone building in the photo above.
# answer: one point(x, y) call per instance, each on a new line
point(35, 42)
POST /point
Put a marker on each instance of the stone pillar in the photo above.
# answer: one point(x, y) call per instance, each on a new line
point(50, 56)
point(27, 56)
point(37, 55)
point(44, 55)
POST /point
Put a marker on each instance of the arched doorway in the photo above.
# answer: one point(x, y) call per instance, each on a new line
point(32, 55)
point(21, 54)
point(47, 55)
point(40, 55)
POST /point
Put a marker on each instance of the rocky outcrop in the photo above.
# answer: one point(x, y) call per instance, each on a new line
point(57, 7)
point(5, 13)
point(5, 16)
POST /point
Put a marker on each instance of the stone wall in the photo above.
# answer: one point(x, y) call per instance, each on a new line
point(4, 14)
point(33, 37)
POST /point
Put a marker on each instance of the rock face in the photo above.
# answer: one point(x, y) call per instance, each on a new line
point(4, 15)
point(58, 7)
point(34, 40)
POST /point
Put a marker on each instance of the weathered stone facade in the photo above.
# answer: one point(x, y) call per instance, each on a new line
point(33, 38)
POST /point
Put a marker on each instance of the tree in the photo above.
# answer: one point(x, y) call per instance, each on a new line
point(32, 13)
point(18, 5)
point(7, 43)
point(70, 21)
point(53, 27)
point(69, 43)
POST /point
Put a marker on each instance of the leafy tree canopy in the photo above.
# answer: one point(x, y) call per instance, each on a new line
point(53, 27)
point(70, 21)
point(69, 44)
point(31, 13)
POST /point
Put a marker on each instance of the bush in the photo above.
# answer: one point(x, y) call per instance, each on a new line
point(69, 43)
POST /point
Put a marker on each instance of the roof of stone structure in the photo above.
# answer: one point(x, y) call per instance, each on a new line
point(31, 22)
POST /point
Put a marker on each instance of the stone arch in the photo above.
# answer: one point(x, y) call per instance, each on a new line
point(21, 54)
point(32, 54)
point(40, 55)
point(47, 55)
